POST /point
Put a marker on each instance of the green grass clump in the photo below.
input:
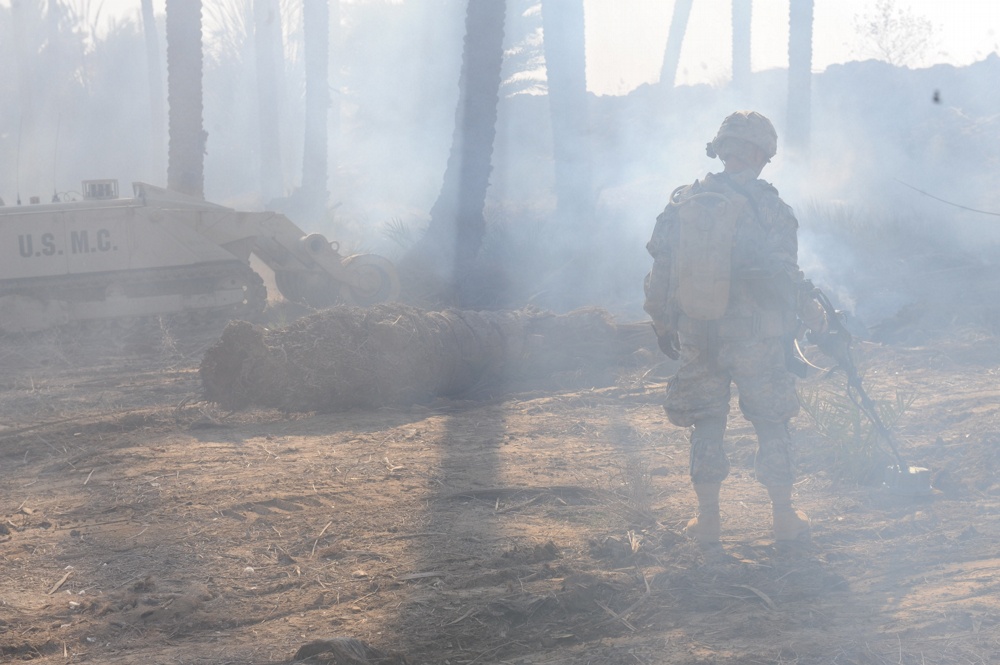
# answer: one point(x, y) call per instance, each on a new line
point(858, 453)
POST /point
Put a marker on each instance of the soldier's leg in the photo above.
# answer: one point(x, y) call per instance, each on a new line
point(698, 397)
point(709, 467)
point(768, 400)
point(775, 470)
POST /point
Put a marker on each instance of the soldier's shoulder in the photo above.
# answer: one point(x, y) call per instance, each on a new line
point(684, 192)
point(768, 193)
point(678, 196)
point(687, 191)
point(769, 201)
point(766, 188)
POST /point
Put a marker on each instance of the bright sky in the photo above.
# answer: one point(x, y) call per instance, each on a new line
point(626, 38)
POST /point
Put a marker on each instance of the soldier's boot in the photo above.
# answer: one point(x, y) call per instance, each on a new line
point(789, 524)
point(706, 527)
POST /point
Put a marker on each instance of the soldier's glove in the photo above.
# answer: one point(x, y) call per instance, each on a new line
point(668, 341)
point(835, 343)
point(814, 317)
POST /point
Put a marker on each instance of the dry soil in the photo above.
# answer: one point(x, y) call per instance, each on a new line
point(139, 524)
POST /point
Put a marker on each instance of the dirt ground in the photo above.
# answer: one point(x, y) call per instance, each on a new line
point(139, 524)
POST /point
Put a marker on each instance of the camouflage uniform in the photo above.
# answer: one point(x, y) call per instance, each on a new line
point(748, 345)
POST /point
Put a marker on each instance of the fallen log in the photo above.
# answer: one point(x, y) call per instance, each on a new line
point(393, 354)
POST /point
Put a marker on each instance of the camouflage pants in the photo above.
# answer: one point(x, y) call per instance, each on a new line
point(699, 394)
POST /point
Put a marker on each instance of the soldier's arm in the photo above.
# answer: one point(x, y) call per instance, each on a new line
point(783, 237)
point(784, 245)
point(657, 282)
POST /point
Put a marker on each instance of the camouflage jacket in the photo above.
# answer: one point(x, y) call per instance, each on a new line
point(765, 277)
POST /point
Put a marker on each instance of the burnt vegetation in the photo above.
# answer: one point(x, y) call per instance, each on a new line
point(484, 474)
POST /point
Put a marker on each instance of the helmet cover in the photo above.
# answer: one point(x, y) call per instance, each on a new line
point(749, 126)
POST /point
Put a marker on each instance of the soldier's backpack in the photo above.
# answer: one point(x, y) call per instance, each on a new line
point(702, 264)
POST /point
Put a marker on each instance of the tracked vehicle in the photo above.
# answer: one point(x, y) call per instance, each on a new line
point(161, 253)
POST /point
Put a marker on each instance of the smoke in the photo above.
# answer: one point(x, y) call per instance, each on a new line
point(879, 133)
point(895, 153)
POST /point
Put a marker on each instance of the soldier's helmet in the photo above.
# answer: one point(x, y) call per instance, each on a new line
point(749, 126)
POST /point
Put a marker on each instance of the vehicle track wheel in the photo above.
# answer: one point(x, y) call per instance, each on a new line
point(371, 279)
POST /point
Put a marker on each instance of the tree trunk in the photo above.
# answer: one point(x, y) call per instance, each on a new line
point(742, 13)
point(316, 38)
point(675, 39)
point(565, 66)
point(440, 263)
point(186, 154)
point(26, 73)
point(800, 18)
point(335, 60)
point(396, 355)
point(157, 104)
point(268, 56)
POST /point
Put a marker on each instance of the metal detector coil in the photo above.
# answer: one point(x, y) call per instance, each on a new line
point(913, 481)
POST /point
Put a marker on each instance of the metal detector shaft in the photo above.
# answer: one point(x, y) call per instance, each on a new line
point(836, 343)
point(865, 403)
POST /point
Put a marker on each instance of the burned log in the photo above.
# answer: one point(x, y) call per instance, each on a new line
point(393, 354)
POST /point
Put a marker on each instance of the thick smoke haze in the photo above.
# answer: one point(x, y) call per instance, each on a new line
point(76, 107)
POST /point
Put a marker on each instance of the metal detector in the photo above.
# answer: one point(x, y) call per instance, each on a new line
point(900, 478)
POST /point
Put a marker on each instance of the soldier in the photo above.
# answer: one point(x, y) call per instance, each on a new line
point(727, 298)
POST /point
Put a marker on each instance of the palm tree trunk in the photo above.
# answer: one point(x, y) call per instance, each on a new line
point(157, 104)
point(455, 232)
point(268, 56)
point(26, 73)
point(336, 51)
point(800, 18)
point(565, 65)
point(316, 37)
point(186, 154)
point(675, 39)
point(742, 13)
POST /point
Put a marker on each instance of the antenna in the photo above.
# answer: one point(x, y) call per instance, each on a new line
point(55, 160)
point(17, 175)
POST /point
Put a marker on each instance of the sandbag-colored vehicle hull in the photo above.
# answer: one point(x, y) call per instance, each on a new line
point(163, 253)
